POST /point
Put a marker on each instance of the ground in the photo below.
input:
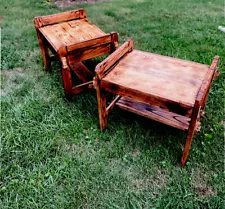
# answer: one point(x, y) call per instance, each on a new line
point(53, 154)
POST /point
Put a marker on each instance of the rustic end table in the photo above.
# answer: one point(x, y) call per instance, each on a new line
point(165, 89)
point(72, 38)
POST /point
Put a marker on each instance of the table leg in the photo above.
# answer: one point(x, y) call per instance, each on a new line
point(67, 80)
point(44, 51)
point(101, 98)
point(191, 132)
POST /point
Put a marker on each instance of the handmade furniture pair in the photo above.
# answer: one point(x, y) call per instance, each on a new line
point(165, 89)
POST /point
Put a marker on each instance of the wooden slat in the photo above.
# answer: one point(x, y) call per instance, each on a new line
point(89, 43)
point(165, 66)
point(149, 66)
point(87, 27)
point(61, 17)
point(69, 31)
point(82, 72)
point(184, 64)
point(180, 108)
point(112, 104)
point(81, 34)
point(104, 66)
point(65, 38)
point(80, 55)
point(154, 113)
point(91, 27)
point(74, 38)
point(55, 42)
point(82, 87)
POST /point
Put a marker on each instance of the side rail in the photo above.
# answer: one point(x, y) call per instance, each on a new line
point(42, 21)
point(209, 77)
point(110, 61)
point(92, 48)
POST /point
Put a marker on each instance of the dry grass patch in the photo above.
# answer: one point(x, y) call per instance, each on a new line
point(155, 182)
point(11, 80)
point(199, 182)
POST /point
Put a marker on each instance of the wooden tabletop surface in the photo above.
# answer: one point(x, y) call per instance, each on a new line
point(71, 32)
point(165, 77)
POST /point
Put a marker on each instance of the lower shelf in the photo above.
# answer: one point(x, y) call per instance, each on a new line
point(155, 113)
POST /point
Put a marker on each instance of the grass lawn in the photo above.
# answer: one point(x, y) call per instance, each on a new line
point(52, 153)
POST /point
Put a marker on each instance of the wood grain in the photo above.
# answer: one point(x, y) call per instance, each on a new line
point(104, 66)
point(158, 77)
point(85, 54)
point(63, 33)
point(155, 113)
point(74, 34)
point(86, 27)
point(60, 17)
point(141, 96)
point(165, 89)
point(51, 37)
point(106, 39)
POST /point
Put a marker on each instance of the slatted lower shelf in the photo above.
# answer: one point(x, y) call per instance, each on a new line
point(155, 113)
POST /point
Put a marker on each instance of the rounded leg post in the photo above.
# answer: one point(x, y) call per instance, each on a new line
point(187, 147)
point(101, 98)
point(191, 132)
point(67, 80)
point(44, 51)
point(102, 109)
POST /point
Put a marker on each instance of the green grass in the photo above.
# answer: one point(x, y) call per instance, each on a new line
point(52, 153)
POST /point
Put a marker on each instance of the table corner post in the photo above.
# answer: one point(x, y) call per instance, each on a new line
point(101, 99)
point(66, 77)
point(114, 41)
point(43, 44)
point(191, 131)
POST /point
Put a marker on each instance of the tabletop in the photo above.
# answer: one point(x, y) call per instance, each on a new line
point(161, 76)
point(70, 32)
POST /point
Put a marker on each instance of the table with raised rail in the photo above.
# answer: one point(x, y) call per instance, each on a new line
point(169, 90)
point(72, 38)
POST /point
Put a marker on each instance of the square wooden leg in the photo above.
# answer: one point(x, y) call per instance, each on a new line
point(101, 98)
point(102, 109)
point(191, 132)
point(67, 80)
point(44, 51)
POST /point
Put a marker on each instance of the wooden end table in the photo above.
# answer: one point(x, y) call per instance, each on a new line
point(165, 89)
point(72, 38)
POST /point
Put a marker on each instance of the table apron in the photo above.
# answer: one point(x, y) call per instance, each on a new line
point(179, 108)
